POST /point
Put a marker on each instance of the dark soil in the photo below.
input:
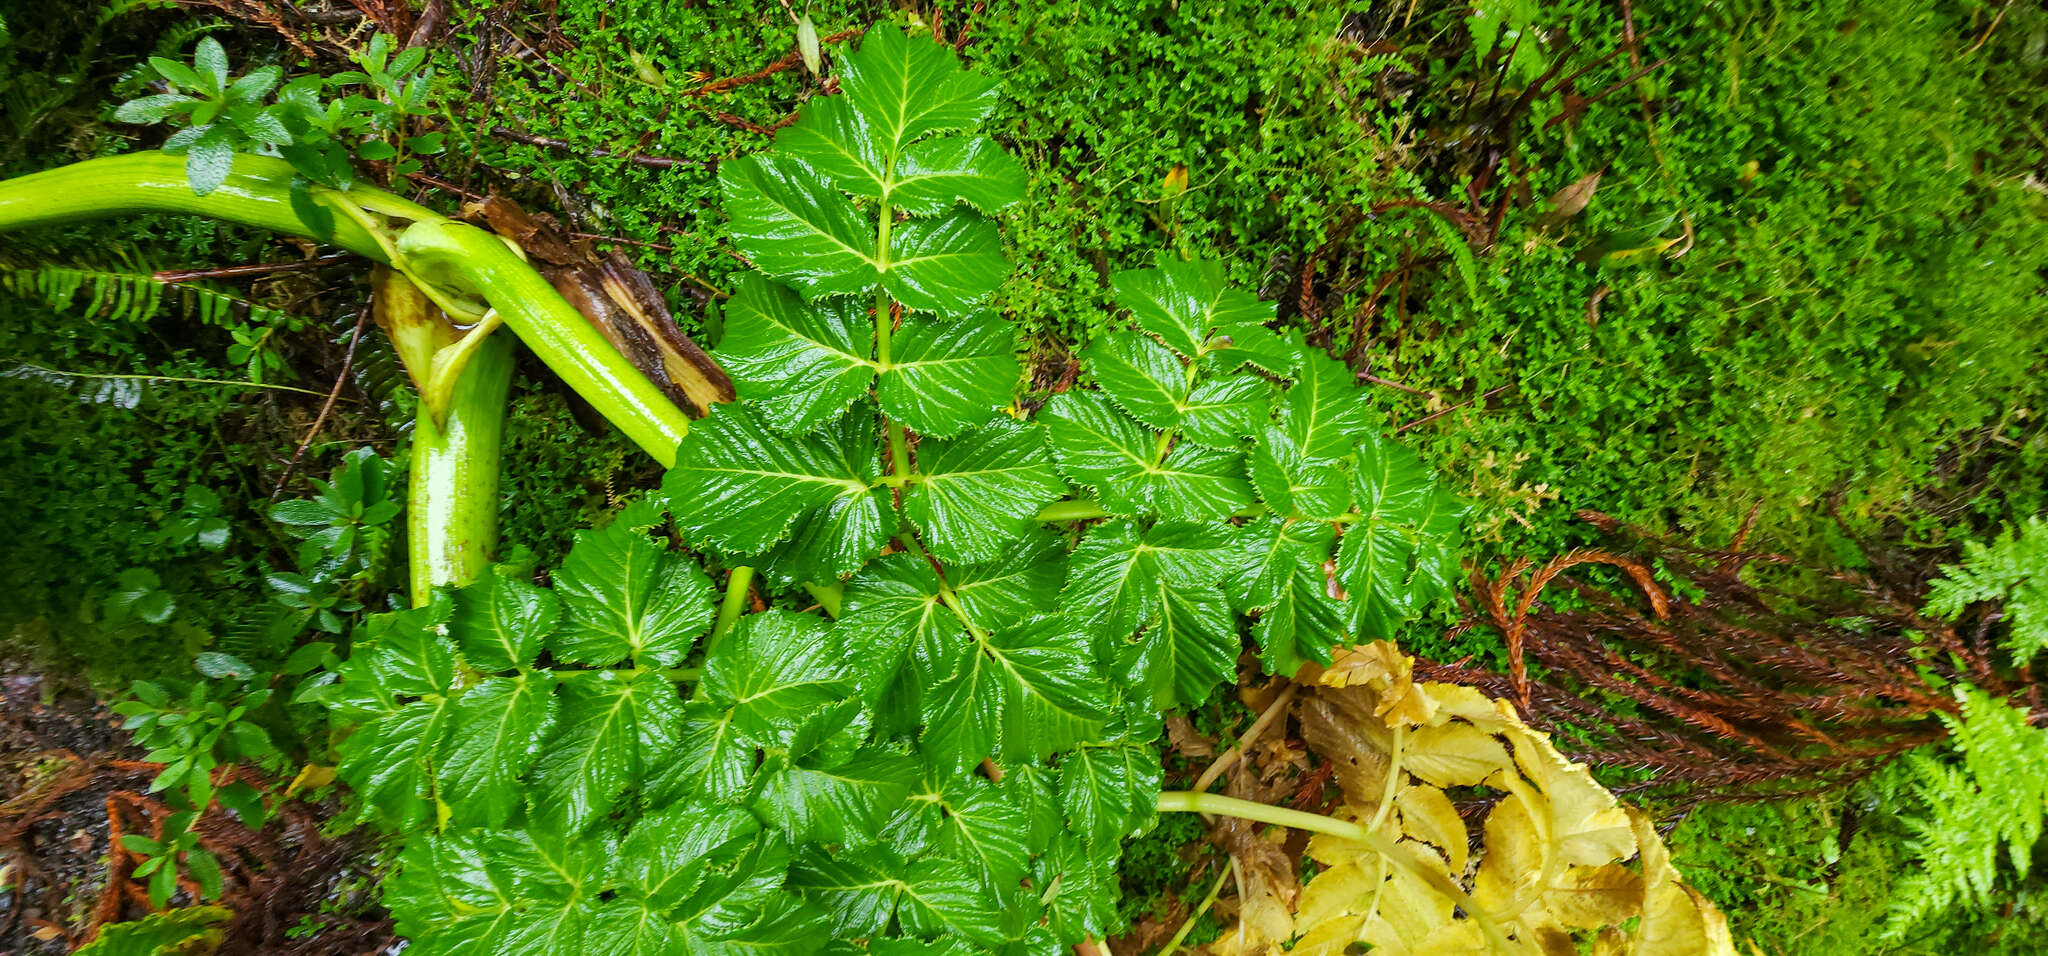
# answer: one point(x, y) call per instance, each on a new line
point(69, 776)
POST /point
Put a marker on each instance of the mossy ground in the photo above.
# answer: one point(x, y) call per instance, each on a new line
point(1809, 282)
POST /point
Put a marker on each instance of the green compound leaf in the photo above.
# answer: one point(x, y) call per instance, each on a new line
point(1099, 447)
point(1293, 486)
point(982, 490)
point(1191, 307)
point(905, 89)
point(1323, 412)
point(742, 486)
point(1402, 552)
point(629, 597)
point(614, 728)
point(946, 377)
point(1141, 376)
point(891, 605)
point(838, 803)
point(935, 174)
point(501, 620)
point(491, 746)
point(795, 226)
point(796, 365)
point(1029, 690)
point(947, 264)
point(862, 890)
point(1119, 572)
point(778, 672)
point(1190, 648)
point(1110, 792)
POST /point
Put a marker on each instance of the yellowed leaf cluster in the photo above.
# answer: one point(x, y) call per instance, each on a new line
point(1559, 859)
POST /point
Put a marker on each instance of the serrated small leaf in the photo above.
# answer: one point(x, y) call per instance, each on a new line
point(406, 654)
point(787, 217)
point(797, 365)
point(613, 728)
point(948, 376)
point(893, 604)
point(1302, 625)
point(1098, 446)
point(1021, 582)
point(1401, 553)
point(501, 620)
point(933, 896)
point(1085, 901)
point(1188, 650)
point(1101, 448)
point(778, 671)
point(981, 491)
point(741, 486)
point(840, 804)
point(936, 173)
point(711, 761)
point(1022, 692)
point(1294, 487)
point(1185, 303)
point(1109, 792)
point(389, 761)
point(666, 855)
point(1141, 376)
point(1323, 411)
point(1271, 549)
point(1118, 573)
point(628, 597)
point(945, 265)
point(836, 139)
point(1198, 484)
point(1223, 409)
point(492, 745)
point(907, 88)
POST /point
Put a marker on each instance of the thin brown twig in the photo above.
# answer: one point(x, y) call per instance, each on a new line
point(175, 276)
point(1433, 416)
point(348, 359)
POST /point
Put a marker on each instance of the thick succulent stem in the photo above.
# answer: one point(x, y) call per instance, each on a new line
point(258, 193)
point(465, 257)
point(452, 494)
point(435, 250)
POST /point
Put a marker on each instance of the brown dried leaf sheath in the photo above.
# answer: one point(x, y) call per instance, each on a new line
point(620, 301)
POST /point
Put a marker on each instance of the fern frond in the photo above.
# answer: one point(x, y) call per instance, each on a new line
point(1994, 800)
point(2012, 568)
point(126, 289)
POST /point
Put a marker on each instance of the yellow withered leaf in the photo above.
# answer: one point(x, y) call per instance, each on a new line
point(1428, 816)
point(1589, 897)
point(1562, 867)
point(1455, 755)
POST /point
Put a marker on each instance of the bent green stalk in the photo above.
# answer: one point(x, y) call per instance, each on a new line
point(369, 222)
point(451, 519)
